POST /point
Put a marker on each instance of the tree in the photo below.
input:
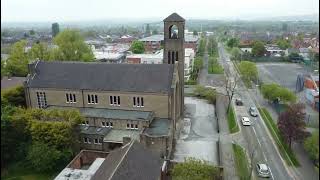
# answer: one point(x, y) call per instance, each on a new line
point(202, 46)
point(212, 46)
point(195, 33)
point(233, 42)
point(137, 47)
point(291, 123)
point(14, 96)
point(71, 47)
point(3, 71)
point(206, 93)
point(44, 158)
point(258, 49)
point(248, 71)
point(17, 63)
point(274, 92)
point(194, 169)
point(311, 144)
point(32, 32)
point(235, 53)
point(55, 29)
point(230, 87)
point(283, 44)
point(39, 51)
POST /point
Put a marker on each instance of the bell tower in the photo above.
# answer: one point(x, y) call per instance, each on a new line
point(174, 49)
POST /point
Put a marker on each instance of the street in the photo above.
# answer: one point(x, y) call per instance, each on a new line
point(258, 140)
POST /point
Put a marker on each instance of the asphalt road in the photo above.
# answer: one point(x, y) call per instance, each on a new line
point(259, 140)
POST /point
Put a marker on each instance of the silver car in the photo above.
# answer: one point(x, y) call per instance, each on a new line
point(263, 170)
point(253, 111)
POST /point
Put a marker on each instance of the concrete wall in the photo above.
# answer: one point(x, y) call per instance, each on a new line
point(158, 103)
point(86, 157)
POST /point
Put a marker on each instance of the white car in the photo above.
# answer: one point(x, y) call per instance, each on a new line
point(245, 121)
point(263, 170)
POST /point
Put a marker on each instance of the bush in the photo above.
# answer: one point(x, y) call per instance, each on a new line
point(190, 82)
point(205, 93)
point(14, 96)
point(274, 91)
point(214, 66)
point(311, 144)
point(44, 158)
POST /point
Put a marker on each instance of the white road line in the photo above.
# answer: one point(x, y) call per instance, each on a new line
point(264, 156)
point(271, 174)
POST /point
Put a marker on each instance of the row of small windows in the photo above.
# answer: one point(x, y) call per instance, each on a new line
point(92, 99)
point(114, 100)
point(138, 102)
point(132, 126)
point(42, 99)
point(172, 57)
point(106, 124)
point(95, 141)
point(71, 98)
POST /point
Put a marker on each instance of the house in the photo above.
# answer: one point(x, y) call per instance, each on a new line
point(132, 161)
point(246, 49)
point(140, 101)
point(157, 58)
point(273, 50)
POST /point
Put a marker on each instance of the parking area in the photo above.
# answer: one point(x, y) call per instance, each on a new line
point(284, 74)
point(199, 135)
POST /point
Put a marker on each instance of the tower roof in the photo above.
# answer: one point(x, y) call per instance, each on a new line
point(174, 17)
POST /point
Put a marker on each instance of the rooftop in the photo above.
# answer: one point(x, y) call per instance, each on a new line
point(149, 78)
point(116, 135)
point(158, 127)
point(94, 130)
point(174, 17)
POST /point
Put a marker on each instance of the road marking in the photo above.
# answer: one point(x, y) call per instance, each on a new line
point(271, 174)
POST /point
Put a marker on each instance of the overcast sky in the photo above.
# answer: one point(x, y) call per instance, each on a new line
point(77, 10)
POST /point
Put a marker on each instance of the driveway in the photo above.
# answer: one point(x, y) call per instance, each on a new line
point(199, 135)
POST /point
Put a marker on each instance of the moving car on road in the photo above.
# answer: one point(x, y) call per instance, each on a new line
point(253, 111)
point(239, 102)
point(263, 170)
point(245, 121)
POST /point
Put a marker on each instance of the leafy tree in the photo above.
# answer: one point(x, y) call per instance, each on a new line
point(17, 63)
point(248, 71)
point(55, 29)
point(44, 158)
point(194, 169)
point(235, 53)
point(3, 72)
point(195, 33)
point(212, 46)
point(274, 91)
point(206, 93)
point(202, 46)
point(137, 47)
point(14, 96)
point(291, 123)
point(233, 42)
point(32, 32)
point(283, 44)
point(39, 51)
point(311, 144)
point(258, 49)
point(71, 47)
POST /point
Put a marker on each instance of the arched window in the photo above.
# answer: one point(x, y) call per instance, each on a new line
point(169, 57)
point(173, 32)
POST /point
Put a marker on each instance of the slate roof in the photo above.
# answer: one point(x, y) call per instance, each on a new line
point(158, 127)
point(94, 130)
point(103, 76)
point(130, 162)
point(174, 17)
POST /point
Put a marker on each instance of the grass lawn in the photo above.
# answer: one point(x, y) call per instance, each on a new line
point(284, 149)
point(214, 67)
point(242, 164)
point(19, 171)
point(232, 122)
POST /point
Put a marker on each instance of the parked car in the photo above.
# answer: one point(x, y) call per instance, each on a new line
point(211, 87)
point(239, 102)
point(245, 121)
point(253, 111)
point(263, 170)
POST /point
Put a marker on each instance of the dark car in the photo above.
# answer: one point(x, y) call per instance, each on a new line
point(239, 102)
